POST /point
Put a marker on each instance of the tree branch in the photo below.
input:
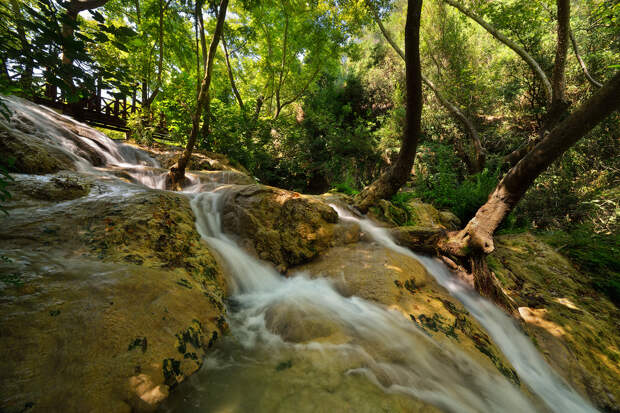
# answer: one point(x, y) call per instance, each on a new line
point(540, 74)
point(581, 62)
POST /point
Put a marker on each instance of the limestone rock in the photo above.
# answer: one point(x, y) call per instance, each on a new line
point(283, 227)
point(414, 213)
point(108, 298)
point(399, 282)
point(574, 327)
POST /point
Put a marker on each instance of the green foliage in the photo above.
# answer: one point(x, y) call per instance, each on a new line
point(347, 186)
point(141, 129)
point(595, 254)
point(438, 182)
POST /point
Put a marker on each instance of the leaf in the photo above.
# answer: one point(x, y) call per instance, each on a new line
point(97, 16)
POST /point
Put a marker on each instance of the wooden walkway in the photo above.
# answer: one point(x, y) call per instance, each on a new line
point(98, 111)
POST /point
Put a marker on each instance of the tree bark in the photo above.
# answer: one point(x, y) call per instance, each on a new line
point(538, 71)
point(477, 163)
point(393, 178)
point(177, 171)
point(559, 103)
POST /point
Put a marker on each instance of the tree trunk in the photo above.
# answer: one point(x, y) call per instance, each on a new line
point(25, 80)
point(475, 163)
point(177, 171)
point(68, 27)
point(230, 75)
point(559, 103)
point(478, 234)
point(392, 179)
point(282, 67)
point(475, 241)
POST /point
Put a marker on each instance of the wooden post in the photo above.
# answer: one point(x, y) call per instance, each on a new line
point(124, 107)
point(98, 98)
point(133, 101)
point(116, 108)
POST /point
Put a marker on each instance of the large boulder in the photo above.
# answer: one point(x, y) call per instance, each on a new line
point(576, 328)
point(108, 295)
point(280, 226)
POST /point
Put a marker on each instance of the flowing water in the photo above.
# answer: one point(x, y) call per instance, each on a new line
point(296, 344)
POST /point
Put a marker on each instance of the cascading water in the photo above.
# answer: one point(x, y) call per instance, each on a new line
point(349, 349)
point(514, 344)
point(376, 343)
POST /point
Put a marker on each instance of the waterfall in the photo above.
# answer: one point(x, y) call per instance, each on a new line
point(308, 319)
point(517, 348)
point(382, 345)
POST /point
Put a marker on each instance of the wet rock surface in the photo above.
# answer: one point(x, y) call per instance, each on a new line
point(401, 283)
point(283, 227)
point(575, 328)
point(108, 296)
point(200, 160)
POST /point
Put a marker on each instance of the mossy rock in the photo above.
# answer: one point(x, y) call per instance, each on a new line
point(574, 326)
point(401, 283)
point(280, 226)
point(112, 292)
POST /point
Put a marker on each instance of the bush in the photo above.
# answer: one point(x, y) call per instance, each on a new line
point(438, 182)
point(140, 130)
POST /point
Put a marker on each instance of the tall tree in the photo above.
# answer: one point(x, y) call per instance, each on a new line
point(476, 239)
point(177, 171)
point(393, 178)
point(476, 163)
point(73, 8)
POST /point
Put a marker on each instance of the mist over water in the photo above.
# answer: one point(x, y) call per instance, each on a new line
point(331, 351)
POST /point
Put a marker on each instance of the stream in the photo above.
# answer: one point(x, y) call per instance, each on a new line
point(372, 354)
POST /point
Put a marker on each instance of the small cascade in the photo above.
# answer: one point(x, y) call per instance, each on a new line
point(517, 348)
point(86, 147)
point(371, 341)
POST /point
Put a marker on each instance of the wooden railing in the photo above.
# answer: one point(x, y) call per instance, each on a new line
point(96, 110)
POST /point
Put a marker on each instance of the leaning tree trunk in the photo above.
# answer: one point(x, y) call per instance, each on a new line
point(177, 171)
point(476, 239)
point(392, 179)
